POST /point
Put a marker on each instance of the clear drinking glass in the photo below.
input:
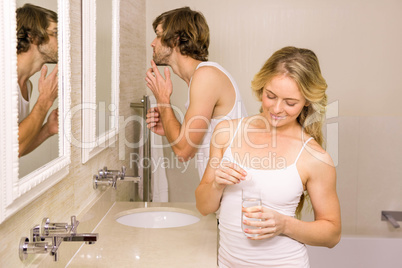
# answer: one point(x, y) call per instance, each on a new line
point(250, 198)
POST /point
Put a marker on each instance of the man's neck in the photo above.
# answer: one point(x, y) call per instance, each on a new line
point(28, 63)
point(184, 67)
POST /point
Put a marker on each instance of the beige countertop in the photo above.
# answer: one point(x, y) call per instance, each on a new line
point(119, 245)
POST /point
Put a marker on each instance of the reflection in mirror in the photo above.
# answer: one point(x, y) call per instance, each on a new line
point(43, 148)
point(100, 76)
point(17, 191)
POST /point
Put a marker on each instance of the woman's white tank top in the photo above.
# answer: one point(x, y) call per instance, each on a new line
point(280, 190)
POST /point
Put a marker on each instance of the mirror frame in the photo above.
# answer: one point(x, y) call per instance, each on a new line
point(17, 192)
point(92, 144)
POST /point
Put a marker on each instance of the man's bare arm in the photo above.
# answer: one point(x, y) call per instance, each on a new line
point(30, 127)
point(185, 138)
point(47, 130)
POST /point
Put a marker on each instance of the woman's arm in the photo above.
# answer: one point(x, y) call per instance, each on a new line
point(218, 173)
point(325, 230)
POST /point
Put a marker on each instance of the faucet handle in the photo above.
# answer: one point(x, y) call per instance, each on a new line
point(31, 248)
point(123, 172)
point(114, 181)
point(95, 180)
point(35, 233)
point(48, 228)
point(74, 225)
point(103, 172)
point(99, 181)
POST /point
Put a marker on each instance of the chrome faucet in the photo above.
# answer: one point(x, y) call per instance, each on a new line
point(48, 237)
point(100, 181)
point(393, 217)
point(88, 238)
point(106, 177)
point(105, 173)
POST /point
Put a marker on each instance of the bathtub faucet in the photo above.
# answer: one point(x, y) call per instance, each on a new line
point(392, 216)
point(46, 238)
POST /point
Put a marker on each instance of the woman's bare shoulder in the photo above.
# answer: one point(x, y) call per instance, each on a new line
point(317, 155)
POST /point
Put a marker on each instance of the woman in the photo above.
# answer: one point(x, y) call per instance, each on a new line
point(280, 150)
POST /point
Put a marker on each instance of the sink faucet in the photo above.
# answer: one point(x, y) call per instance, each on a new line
point(88, 238)
point(106, 177)
point(48, 237)
point(106, 173)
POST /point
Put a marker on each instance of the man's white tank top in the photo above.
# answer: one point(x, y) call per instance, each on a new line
point(23, 104)
point(237, 111)
point(280, 190)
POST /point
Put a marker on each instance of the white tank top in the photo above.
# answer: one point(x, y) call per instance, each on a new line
point(280, 190)
point(237, 111)
point(23, 104)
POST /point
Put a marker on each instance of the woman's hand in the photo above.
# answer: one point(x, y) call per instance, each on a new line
point(272, 223)
point(228, 173)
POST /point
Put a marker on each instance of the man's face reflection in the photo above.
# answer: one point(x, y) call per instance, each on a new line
point(49, 51)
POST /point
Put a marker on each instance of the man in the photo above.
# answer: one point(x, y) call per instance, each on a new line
point(36, 45)
point(182, 41)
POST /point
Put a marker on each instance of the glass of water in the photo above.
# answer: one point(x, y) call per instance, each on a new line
point(250, 198)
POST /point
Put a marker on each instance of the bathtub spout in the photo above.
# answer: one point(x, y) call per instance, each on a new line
point(391, 216)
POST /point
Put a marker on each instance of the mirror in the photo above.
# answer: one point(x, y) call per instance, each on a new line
point(100, 96)
point(49, 149)
point(17, 191)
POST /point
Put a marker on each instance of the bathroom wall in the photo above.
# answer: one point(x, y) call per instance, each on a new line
point(358, 45)
point(74, 193)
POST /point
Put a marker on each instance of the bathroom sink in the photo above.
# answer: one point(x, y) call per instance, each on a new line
point(157, 217)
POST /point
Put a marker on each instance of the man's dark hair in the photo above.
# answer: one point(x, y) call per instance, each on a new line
point(32, 23)
point(186, 29)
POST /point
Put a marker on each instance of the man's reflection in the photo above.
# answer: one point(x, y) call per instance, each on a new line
point(37, 45)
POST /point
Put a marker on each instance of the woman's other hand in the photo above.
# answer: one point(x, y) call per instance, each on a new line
point(271, 223)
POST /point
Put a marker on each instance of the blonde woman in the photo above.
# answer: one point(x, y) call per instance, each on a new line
point(279, 152)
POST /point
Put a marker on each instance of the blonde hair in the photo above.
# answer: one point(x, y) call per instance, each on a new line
point(303, 67)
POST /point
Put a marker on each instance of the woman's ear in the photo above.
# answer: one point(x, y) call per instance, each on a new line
point(307, 103)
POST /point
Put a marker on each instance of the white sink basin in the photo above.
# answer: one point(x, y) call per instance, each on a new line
point(157, 217)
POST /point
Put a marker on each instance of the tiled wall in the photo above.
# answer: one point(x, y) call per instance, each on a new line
point(371, 173)
point(369, 178)
point(75, 193)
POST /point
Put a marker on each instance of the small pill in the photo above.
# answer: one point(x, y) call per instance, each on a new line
point(248, 177)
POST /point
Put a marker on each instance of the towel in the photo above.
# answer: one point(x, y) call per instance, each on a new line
point(159, 182)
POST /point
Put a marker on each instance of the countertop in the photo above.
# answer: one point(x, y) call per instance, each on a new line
point(119, 245)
